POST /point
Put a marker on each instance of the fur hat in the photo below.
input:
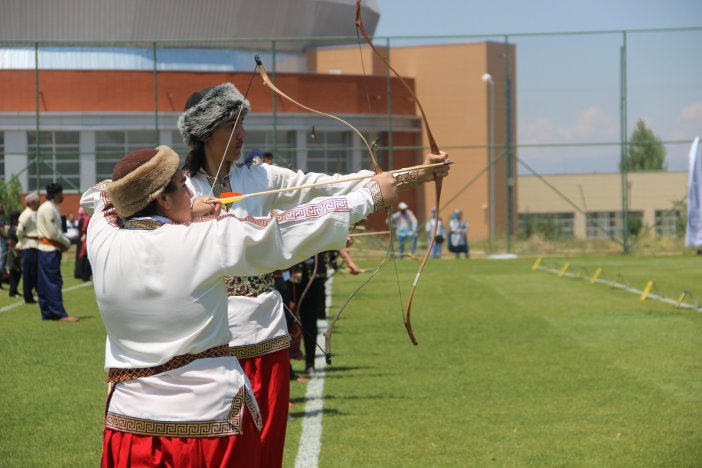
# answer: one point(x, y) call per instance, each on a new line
point(139, 177)
point(207, 109)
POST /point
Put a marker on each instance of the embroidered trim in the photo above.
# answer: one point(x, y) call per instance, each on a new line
point(250, 286)
point(406, 180)
point(109, 208)
point(309, 211)
point(377, 194)
point(115, 374)
point(147, 224)
point(264, 347)
point(230, 426)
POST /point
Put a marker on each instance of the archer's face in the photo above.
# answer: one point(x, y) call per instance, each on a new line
point(176, 205)
point(216, 143)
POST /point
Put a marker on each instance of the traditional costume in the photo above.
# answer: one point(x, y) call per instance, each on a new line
point(52, 243)
point(28, 236)
point(257, 318)
point(179, 396)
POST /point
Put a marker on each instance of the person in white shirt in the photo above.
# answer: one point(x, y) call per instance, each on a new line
point(177, 390)
point(404, 223)
point(440, 234)
point(28, 237)
point(212, 125)
point(52, 243)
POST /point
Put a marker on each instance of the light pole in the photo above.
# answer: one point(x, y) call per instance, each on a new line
point(487, 78)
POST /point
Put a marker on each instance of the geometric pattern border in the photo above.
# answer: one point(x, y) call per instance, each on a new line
point(260, 349)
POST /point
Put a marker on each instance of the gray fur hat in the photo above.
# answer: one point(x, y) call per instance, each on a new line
point(207, 109)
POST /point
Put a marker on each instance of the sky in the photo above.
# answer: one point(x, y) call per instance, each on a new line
point(568, 86)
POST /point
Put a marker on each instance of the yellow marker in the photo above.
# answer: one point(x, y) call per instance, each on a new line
point(536, 264)
point(646, 290)
point(681, 298)
point(595, 276)
point(563, 270)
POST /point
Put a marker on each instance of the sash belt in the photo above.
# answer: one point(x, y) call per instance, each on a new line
point(47, 241)
point(115, 374)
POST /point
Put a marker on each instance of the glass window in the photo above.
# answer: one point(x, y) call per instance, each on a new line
point(329, 152)
point(608, 224)
point(110, 146)
point(669, 222)
point(58, 159)
point(548, 225)
point(284, 147)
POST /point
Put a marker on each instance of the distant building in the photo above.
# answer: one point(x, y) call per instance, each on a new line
point(589, 206)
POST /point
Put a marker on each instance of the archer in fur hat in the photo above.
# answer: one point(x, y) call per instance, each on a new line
point(212, 126)
point(145, 182)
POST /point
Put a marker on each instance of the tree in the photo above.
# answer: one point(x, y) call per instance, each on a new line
point(11, 194)
point(646, 151)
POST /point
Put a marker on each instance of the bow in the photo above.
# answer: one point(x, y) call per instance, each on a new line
point(434, 149)
point(267, 81)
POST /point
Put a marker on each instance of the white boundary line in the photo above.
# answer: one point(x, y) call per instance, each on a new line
point(311, 436)
point(625, 287)
point(19, 303)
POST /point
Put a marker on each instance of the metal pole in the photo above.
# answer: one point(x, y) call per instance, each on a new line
point(158, 132)
point(491, 158)
point(624, 147)
point(509, 160)
point(37, 150)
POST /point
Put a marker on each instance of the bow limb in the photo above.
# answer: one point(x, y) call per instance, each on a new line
point(267, 81)
point(434, 149)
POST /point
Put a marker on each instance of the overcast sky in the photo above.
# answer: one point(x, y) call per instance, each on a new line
point(568, 85)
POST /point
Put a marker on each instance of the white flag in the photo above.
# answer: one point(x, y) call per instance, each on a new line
point(693, 237)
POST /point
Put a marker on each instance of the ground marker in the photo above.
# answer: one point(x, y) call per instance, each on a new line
point(536, 264)
point(595, 276)
point(681, 298)
point(563, 270)
point(646, 290)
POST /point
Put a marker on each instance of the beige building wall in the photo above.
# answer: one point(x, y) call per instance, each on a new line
point(456, 102)
point(647, 193)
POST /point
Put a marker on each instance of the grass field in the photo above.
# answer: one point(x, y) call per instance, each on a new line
point(514, 368)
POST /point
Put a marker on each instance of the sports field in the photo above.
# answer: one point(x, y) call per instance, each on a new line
point(514, 368)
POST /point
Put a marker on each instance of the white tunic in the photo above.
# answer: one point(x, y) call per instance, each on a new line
point(258, 322)
point(161, 294)
point(27, 232)
point(49, 226)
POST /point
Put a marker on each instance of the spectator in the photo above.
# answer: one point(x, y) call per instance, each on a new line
point(14, 257)
point(404, 223)
point(440, 234)
point(52, 244)
point(458, 235)
point(29, 243)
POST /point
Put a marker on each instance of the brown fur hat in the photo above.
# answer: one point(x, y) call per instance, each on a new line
point(139, 177)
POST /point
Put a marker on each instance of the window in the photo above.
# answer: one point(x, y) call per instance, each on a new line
point(668, 222)
point(329, 152)
point(284, 147)
point(54, 157)
point(608, 224)
point(549, 225)
point(111, 146)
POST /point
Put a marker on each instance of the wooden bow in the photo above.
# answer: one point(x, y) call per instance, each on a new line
point(434, 149)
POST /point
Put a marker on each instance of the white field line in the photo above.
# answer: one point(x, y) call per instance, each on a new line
point(625, 287)
point(19, 303)
point(311, 437)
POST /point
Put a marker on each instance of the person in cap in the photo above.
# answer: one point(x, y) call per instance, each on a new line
point(458, 235)
point(52, 244)
point(404, 223)
point(212, 126)
point(178, 395)
point(440, 233)
point(28, 237)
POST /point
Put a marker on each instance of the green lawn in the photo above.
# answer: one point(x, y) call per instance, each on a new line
point(513, 368)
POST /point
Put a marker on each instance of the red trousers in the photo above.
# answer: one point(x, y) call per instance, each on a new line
point(123, 450)
point(270, 379)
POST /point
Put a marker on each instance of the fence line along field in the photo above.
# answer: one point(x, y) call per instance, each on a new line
point(514, 368)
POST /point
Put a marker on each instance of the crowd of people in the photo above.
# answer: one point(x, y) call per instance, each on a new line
point(404, 225)
point(31, 249)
